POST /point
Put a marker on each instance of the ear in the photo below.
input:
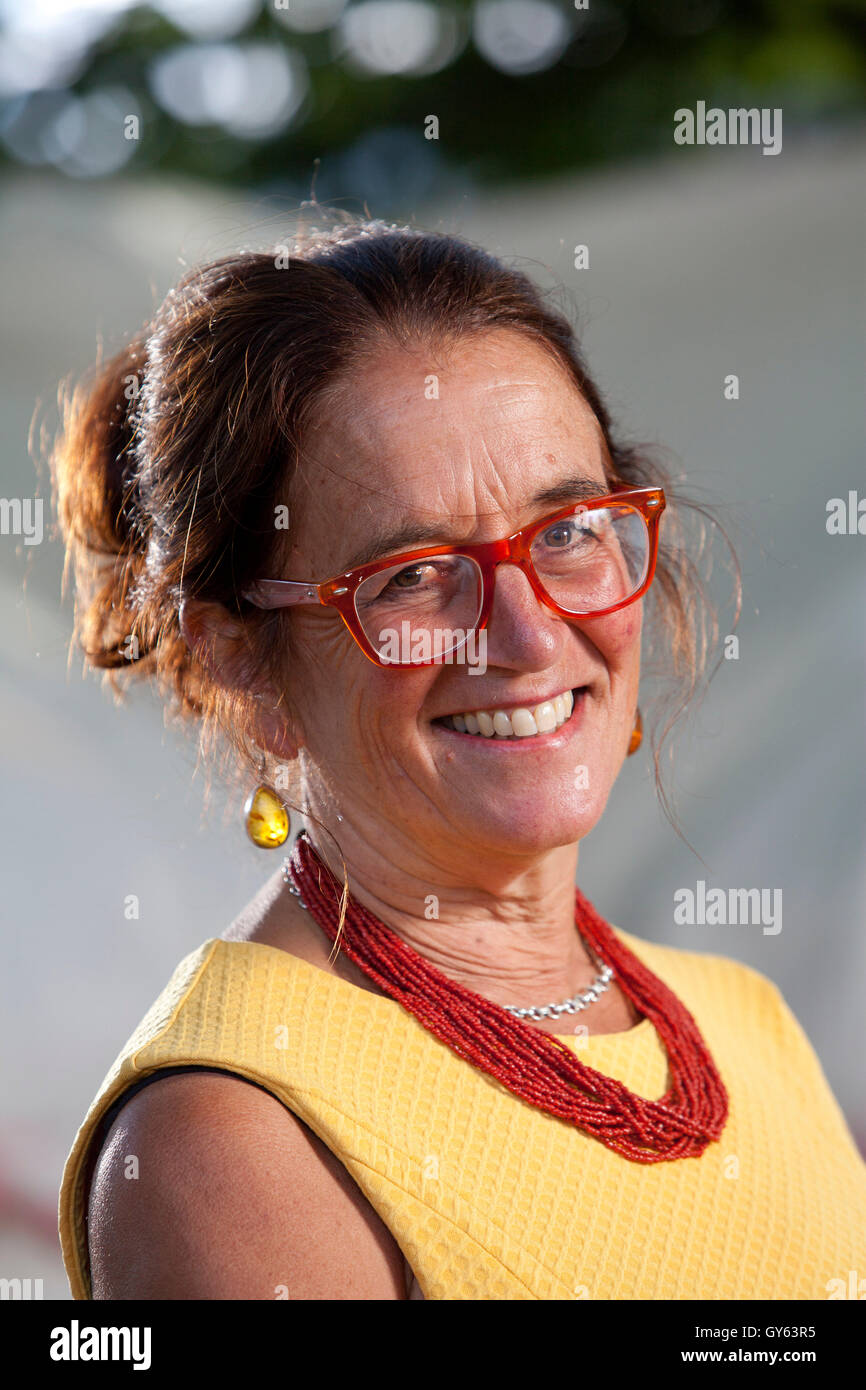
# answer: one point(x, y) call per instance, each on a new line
point(220, 642)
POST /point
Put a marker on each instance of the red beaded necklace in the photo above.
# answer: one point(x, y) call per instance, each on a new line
point(534, 1065)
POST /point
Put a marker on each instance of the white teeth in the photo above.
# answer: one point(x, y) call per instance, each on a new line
point(521, 723)
point(546, 717)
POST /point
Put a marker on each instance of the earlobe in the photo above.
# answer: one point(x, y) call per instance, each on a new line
point(220, 643)
point(276, 727)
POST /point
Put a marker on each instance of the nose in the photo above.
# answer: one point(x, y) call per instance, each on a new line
point(522, 633)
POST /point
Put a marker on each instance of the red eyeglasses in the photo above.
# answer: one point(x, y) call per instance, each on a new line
point(420, 608)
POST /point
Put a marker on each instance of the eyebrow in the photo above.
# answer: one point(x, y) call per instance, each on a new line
point(573, 489)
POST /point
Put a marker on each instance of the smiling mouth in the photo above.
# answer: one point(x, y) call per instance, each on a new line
point(524, 721)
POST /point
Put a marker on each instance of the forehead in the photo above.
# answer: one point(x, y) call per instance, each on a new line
point(460, 438)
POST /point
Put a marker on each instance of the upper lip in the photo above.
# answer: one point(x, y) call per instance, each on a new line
point(509, 705)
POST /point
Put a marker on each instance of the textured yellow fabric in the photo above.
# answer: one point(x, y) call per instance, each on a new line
point(489, 1198)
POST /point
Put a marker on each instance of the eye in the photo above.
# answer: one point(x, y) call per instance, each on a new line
point(438, 571)
point(559, 535)
point(421, 581)
point(571, 532)
point(408, 578)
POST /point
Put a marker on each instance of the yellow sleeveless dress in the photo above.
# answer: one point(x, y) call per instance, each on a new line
point(490, 1198)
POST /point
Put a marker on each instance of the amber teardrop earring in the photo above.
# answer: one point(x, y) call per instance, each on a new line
point(266, 818)
point(636, 739)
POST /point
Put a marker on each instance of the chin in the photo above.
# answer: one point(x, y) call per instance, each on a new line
point(529, 824)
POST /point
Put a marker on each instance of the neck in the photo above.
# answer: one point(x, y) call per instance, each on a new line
point(502, 926)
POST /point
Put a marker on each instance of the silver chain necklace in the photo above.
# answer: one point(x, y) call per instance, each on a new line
point(570, 1006)
point(573, 1005)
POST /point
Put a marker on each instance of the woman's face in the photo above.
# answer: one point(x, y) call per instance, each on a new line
point(470, 462)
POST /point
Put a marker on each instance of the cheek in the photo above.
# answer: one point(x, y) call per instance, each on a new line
point(350, 700)
point(618, 637)
point(392, 699)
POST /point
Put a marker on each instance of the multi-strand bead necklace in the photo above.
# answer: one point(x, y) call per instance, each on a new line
point(531, 1064)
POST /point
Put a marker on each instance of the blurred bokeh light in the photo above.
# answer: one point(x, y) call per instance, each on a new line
point(252, 90)
point(257, 92)
point(387, 37)
point(519, 36)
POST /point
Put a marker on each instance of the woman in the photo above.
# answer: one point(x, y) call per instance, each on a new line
point(360, 509)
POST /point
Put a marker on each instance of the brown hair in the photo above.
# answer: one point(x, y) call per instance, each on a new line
point(173, 455)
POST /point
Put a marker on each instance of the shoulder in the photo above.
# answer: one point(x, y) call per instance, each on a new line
point(736, 1001)
point(721, 990)
point(276, 919)
point(207, 1187)
point(676, 965)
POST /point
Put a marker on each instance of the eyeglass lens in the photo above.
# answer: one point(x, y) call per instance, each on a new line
point(586, 562)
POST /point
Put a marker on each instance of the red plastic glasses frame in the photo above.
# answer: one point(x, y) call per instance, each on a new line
point(340, 591)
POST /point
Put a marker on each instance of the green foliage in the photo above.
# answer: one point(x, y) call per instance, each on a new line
point(610, 95)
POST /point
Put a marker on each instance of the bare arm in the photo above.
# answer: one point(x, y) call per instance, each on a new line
point(235, 1199)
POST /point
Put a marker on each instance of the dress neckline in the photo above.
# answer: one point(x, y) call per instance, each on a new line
point(578, 1043)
